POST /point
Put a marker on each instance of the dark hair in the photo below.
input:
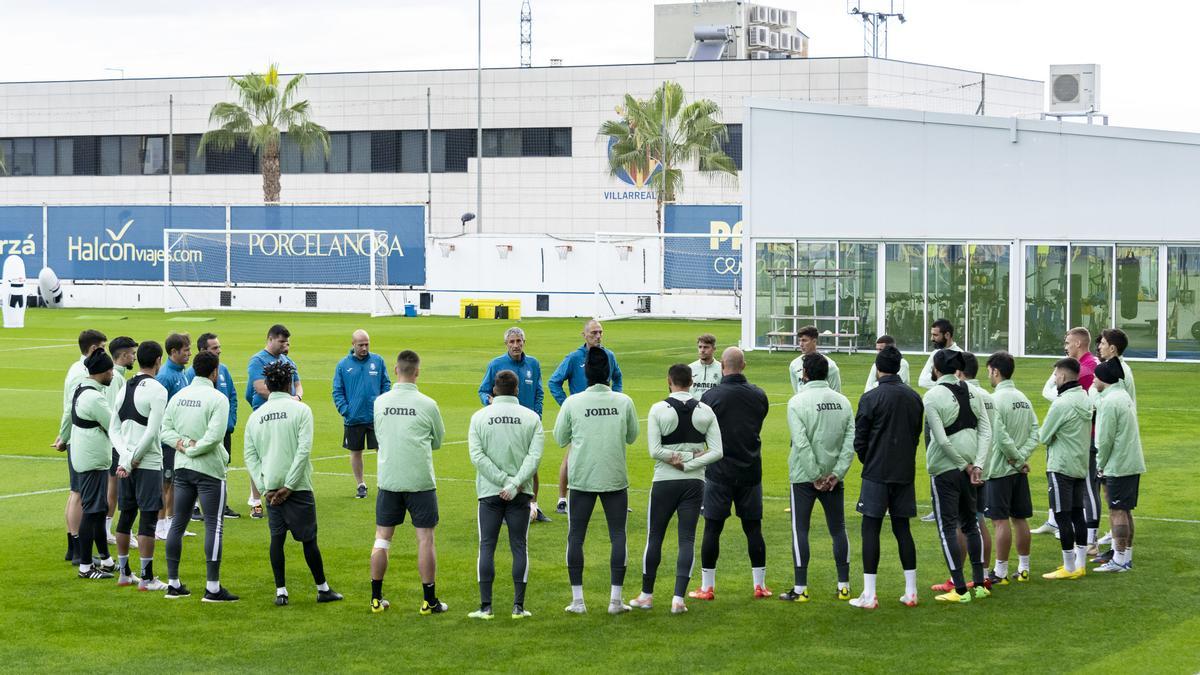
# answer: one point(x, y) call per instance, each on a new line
point(943, 325)
point(707, 339)
point(1115, 337)
point(947, 361)
point(205, 363)
point(202, 341)
point(407, 363)
point(680, 375)
point(596, 367)
point(148, 352)
point(121, 344)
point(970, 365)
point(885, 339)
point(277, 375)
point(90, 338)
point(1004, 364)
point(887, 361)
point(278, 330)
point(808, 332)
point(506, 383)
point(1068, 363)
point(816, 366)
point(177, 341)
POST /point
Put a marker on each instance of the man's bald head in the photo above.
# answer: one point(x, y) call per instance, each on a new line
point(733, 361)
point(593, 333)
point(360, 342)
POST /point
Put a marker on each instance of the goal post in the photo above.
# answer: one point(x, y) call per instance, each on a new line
point(667, 275)
point(284, 270)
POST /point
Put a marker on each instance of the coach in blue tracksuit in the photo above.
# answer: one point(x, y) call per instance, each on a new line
point(357, 381)
point(529, 390)
point(571, 372)
point(208, 342)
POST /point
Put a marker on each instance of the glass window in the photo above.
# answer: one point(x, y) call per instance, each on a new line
point(946, 281)
point(110, 155)
point(904, 289)
point(732, 146)
point(1183, 314)
point(339, 153)
point(774, 294)
point(43, 156)
point(858, 297)
point(815, 296)
point(361, 151)
point(87, 156)
point(459, 150)
point(21, 163)
point(412, 151)
point(383, 153)
point(1137, 299)
point(154, 155)
point(502, 142)
point(6, 153)
point(1045, 299)
point(560, 142)
point(195, 164)
point(64, 156)
point(535, 142)
point(1090, 288)
point(131, 155)
point(290, 158)
point(987, 327)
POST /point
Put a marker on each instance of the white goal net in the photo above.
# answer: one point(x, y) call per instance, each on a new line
point(667, 275)
point(285, 270)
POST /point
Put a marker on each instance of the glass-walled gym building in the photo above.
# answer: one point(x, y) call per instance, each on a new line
point(1013, 230)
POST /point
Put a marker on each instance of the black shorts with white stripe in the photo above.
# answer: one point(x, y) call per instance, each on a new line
point(1066, 492)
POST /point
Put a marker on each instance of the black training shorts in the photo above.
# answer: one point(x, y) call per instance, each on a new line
point(356, 437)
point(297, 514)
point(876, 500)
point(1008, 497)
point(720, 498)
point(142, 490)
point(422, 506)
point(93, 488)
point(1122, 491)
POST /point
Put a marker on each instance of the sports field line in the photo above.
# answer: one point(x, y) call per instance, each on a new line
point(35, 492)
point(25, 349)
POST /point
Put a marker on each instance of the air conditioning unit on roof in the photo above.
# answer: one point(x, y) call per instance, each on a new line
point(757, 36)
point(760, 54)
point(1074, 88)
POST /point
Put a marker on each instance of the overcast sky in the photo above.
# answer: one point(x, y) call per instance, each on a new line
point(1147, 77)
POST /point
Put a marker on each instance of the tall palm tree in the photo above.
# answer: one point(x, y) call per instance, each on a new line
point(264, 111)
point(655, 137)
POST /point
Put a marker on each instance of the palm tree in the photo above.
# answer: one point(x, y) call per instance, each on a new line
point(263, 112)
point(654, 138)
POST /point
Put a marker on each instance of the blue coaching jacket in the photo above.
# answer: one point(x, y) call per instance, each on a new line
point(356, 384)
point(571, 372)
point(225, 386)
point(529, 380)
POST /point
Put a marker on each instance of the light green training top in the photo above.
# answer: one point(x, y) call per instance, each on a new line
point(796, 370)
point(925, 379)
point(663, 420)
point(1014, 431)
point(75, 374)
point(597, 423)
point(969, 446)
point(409, 427)
point(821, 423)
point(134, 442)
point(1067, 433)
point(90, 448)
point(505, 444)
point(198, 413)
point(704, 377)
point(278, 444)
point(1118, 440)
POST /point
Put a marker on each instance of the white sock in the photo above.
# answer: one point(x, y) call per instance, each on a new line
point(708, 579)
point(320, 587)
point(869, 585)
point(1092, 536)
point(1080, 557)
point(533, 507)
point(108, 524)
point(615, 595)
point(173, 583)
point(799, 590)
point(85, 567)
point(1128, 554)
point(843, 585)
point(107, 561)
point(1069, 561)
point(677, 600)
point(212, 586)
point(252, 502)
point(760, 575)
point(562, 500)
point(910, 582)
point(282, 590)
point(577, 593)
point(1022, 563)
point(1050, 518)
point(1002, 568)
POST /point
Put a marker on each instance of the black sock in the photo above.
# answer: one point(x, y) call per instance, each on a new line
point(148, 570)
point(430, 593)
point(377, 589)
point(70, 545)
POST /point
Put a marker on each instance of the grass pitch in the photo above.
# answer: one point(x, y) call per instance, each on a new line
point(1145, 621)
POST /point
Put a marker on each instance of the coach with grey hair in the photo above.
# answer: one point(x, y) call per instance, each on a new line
point(529, 389)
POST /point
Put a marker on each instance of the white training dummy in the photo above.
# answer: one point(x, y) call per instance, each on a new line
point(14, 292)
point(50, 287)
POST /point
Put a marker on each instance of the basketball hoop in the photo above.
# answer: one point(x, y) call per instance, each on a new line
point(563, 250)
point(503, 250)
point(447, 249)
point(623, 251)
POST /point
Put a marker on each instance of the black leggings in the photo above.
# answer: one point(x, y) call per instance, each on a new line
point(710, 547)
point(871, 527)
point(954, 509)
point(312, 556)
point(1072, 528)
point(668, 497)
point(92, 531)
point(494, 512)
point(804, 497)
point(580, 505)
point(190, 487)
point(145, 525)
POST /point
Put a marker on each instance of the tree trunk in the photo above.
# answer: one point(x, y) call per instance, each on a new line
point(270, 174)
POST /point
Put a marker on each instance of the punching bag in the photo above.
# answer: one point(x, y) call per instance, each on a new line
point(50, 287)
point(14, 292)
point(1129, 272)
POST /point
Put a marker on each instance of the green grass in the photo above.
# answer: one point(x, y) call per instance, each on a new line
point(1148, 620)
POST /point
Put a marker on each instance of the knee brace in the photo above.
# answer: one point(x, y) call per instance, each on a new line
point(383, 544)
point(125, 521)
point(146, 523)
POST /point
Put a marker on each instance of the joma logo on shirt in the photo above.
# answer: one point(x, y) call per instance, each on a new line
point(822, 407)
point(599, 412)
point(271, 417)
point(503, 419)
point(189, 403)
point(1021, 405)
point(411, 412)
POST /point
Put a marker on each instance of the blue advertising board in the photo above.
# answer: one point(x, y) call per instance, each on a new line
point(21, 234)
point(708, 263)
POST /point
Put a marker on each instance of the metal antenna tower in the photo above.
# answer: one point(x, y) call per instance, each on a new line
point(526, 35)
point(875, 26)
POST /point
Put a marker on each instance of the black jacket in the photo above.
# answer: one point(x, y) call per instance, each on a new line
point(887, 430)
point(741, 408)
